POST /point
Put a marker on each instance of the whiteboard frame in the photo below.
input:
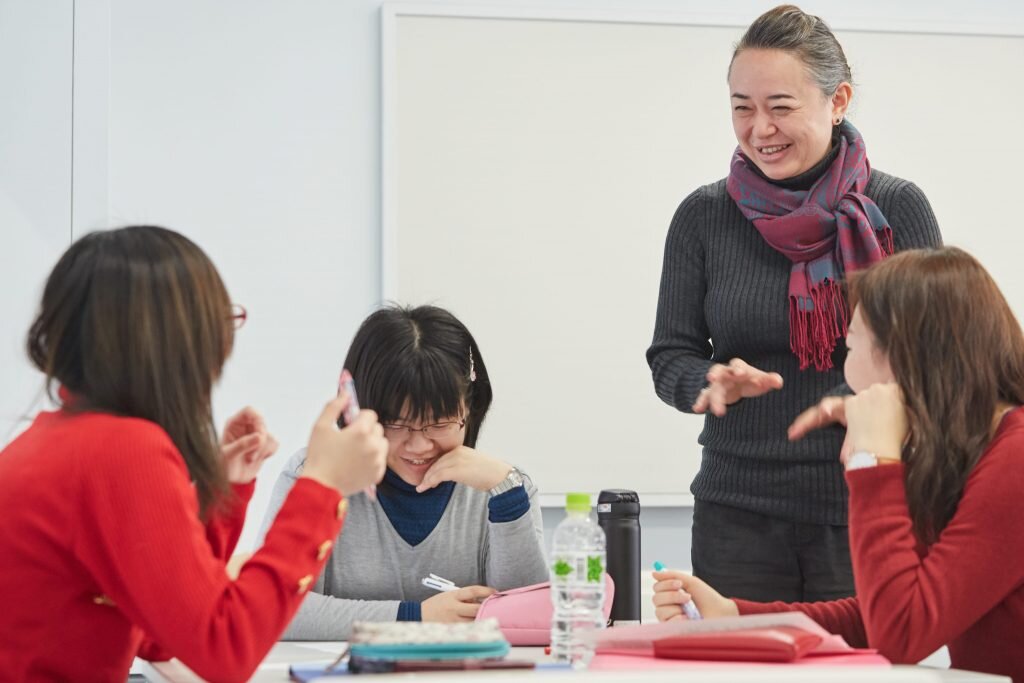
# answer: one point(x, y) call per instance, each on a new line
point(392, 12)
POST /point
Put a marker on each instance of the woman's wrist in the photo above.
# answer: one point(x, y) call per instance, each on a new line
point(317, 476)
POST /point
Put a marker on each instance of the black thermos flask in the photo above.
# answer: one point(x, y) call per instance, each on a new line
point(618, 513)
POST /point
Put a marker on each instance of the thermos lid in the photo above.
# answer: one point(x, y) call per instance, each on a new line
point(618, 503)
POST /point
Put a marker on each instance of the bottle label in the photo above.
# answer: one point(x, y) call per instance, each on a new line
point(578, 567)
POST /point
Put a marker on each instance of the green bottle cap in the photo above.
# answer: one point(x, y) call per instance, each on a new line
point(577, 502)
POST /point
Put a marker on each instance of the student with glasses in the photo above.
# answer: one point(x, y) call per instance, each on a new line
point(443, 508)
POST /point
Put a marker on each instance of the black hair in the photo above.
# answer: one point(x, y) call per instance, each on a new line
point(419, 364)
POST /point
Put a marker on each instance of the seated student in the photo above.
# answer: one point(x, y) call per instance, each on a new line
point(934, 457)
point(118, 511)
point(443, 507)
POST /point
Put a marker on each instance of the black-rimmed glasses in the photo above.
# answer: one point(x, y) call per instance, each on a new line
point(434, 432)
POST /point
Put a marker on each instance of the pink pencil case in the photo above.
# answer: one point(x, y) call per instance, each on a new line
point(524, 614)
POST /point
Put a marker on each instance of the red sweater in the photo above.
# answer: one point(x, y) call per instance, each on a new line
point(965, 591)
point(101, 543)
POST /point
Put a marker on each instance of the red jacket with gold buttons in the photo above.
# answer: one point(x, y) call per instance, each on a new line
point(101, 544)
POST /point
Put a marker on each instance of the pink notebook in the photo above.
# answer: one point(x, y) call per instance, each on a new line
point(603, 662)
point(632, 647)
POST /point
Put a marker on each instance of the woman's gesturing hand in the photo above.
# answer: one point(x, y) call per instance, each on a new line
point(245, 444)
point(727, 384)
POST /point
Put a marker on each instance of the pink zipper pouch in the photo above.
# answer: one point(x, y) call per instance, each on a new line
point(524, 614)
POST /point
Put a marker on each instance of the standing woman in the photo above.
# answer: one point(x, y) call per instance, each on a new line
point(119, 510)
point(752, 315)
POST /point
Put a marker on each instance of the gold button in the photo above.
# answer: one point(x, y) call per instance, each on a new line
point(103, 600)
point(342, 508)
point(305, 582)
point(324, 548)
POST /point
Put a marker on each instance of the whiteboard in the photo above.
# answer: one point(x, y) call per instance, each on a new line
point(532, 166)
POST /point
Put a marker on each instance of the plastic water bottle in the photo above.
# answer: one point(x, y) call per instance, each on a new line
point(577, 582)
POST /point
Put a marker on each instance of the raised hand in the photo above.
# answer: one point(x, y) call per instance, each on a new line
point(727, 384)
point(876, 422)
point(348, 459)
point(245, 444)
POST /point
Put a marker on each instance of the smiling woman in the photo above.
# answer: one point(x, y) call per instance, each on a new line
point(444, 506)
point(752, 310)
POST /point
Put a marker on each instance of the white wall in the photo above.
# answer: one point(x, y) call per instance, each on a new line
point(254, 126)
point(35, 182)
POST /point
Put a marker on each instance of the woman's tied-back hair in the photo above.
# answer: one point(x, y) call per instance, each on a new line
point(416, 364)
point(806, 37)
point(956, 351)
point(137, 322)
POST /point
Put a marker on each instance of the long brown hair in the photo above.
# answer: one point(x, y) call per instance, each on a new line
point(136, 322)
point(957, 351)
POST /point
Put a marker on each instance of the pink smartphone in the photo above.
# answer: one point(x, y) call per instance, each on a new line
point(346, 383)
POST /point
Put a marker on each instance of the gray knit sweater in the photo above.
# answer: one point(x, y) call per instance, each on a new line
point(724, 295)
point(372, 568)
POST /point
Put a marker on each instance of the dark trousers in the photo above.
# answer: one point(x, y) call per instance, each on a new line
point(747, 555)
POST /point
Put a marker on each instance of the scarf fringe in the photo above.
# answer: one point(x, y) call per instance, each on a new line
point(813, 333)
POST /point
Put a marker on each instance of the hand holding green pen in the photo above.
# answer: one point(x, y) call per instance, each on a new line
point(690, 608)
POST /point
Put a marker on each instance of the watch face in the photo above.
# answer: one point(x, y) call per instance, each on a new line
point(860, 460)
point(516, 477)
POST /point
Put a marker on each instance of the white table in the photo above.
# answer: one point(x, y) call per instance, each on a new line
point(275, 670)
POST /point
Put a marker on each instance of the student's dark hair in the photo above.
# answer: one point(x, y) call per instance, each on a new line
point(805, 36)
point(956, 351)
point(137, 322)
point(417, 363)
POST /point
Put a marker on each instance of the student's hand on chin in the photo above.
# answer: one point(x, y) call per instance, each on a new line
point(467, 466)
point(456, 605)
point(877, 421)
point(245, 444)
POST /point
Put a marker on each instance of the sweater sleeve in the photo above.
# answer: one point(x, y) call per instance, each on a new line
point(914, 226)
point(222, 531)
point(914, 603)
point(514, 556)
point(325, 617)
point(321, 615)
point(841, 617)
point(680, 353)
point(224, 527)
point(142, 541)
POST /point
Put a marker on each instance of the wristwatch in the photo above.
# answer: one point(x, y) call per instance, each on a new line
point(861, 460)
point(513, 479)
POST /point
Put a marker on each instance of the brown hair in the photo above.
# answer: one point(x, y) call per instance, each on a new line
point(136, 322)
point(807, 37)
point(956, 351)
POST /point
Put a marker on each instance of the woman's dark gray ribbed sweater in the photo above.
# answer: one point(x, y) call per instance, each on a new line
point(724, 295)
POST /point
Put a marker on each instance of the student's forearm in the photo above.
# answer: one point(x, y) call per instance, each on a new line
point(323, 617)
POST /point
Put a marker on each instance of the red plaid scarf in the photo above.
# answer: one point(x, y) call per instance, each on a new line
point(826, 231)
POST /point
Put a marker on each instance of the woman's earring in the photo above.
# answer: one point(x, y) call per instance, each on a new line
point(839, 119)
